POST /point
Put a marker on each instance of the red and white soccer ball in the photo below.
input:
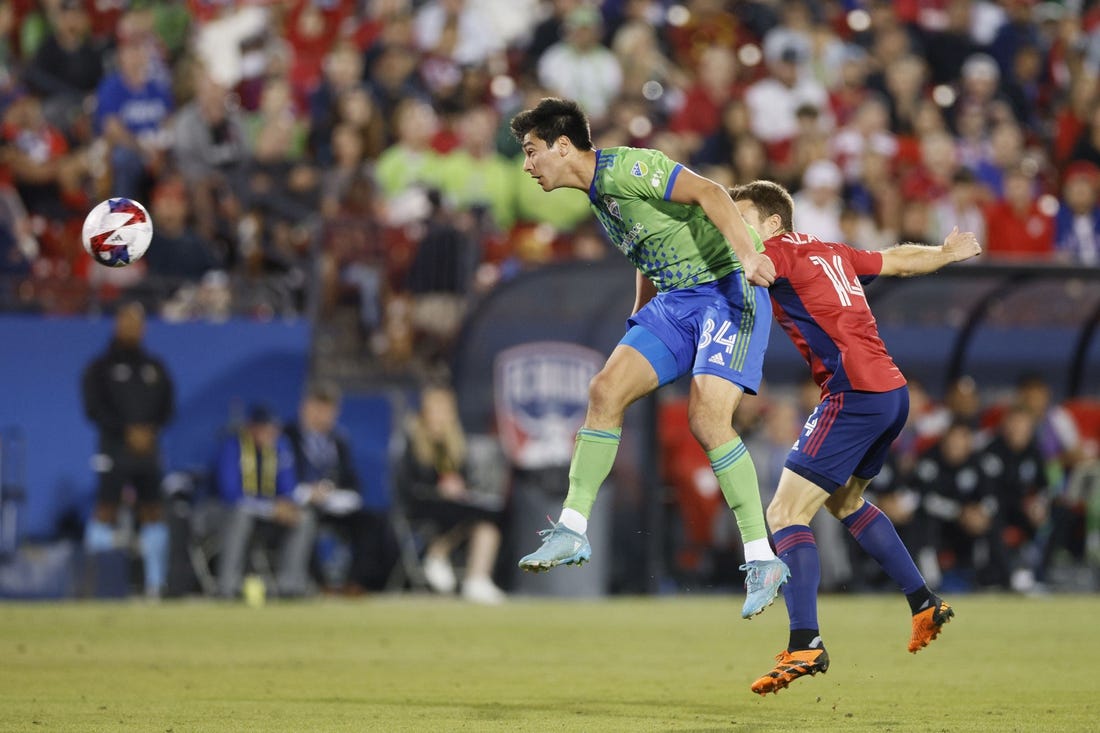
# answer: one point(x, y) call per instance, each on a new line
point(117, 232)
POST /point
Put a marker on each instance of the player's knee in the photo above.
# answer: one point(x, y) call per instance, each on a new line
point(710, 428)
point(604, 394)
point(843, 502)
point(779, 516)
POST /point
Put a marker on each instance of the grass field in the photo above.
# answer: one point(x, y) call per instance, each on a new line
point(425, 664)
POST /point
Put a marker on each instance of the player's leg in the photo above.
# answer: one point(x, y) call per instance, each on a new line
point(711, 405)
point(153, 541)
point(153, 536)
point(876, 534)
point(631, 372)
point(99, 533)
point(834, 440)
point(796, 501)
point(732, 321)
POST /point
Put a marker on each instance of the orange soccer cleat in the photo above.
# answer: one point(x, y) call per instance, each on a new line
point(789, 667)
point(928, 623)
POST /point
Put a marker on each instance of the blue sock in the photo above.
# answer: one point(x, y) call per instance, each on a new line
point(795, 545)
point(154, 555)
point(875, 533)
point(99, 536)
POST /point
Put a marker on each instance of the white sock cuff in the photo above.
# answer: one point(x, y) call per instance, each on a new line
point(574, 520)
point(758, 550)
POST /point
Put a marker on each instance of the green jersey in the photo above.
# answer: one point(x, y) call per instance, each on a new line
point(674, 245)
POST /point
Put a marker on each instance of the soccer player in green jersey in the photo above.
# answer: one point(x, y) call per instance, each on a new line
point(701, 306)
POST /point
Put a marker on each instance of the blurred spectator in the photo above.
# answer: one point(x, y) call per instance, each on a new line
point(431, 475)
point(817, 206)
point(474, 174)
point(48, 176)
point(256, 481)
point(717, 148)
point(329, 487)
point(580, 67)
point(68, 65)
point(549, 31)
point(456, 30)
point(1005, 152)
point(1077, 225)
point(637, 44)
point(868, 131)
point(177, 251)
point(961, 208)
point(441, 276)
point(343, 73)
point(709, 101)
point(129, 397)
point(1087, 146)
point(208, 136)
point(960, 508)
point(946, 48)
point(774, 100)
point(1014, 468)
point(411, 160)
point(1018, 225)
point(18, 246)
point(961, 403)
point(132, 109)
point(311, 28)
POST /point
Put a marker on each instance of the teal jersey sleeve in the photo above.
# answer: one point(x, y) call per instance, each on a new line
point(642, 173)
point(674, 244)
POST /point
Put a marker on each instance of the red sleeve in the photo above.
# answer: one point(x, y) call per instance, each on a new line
point(863, 261)
point(778, 255)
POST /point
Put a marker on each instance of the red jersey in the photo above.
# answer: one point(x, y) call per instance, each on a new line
point(818, 300)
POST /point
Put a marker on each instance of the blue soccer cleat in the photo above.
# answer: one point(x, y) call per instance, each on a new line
point(560, 546)
point(762, 581)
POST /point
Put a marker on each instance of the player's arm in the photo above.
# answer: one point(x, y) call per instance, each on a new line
point(644, 290)
point(906, 260)
point(691, 188)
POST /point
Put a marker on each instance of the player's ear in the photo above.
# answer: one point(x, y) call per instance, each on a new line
point(562, 144)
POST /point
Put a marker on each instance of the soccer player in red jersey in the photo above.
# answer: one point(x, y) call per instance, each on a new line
point(818, 300)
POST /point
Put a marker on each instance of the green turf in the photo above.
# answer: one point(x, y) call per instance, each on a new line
point(423, 664)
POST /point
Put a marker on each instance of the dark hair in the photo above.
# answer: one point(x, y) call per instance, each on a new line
point(550, 119)
point(770, 199)
point(326, 392)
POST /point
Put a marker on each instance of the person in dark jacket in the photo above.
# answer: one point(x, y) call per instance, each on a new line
point(129, 396)
point(1015, 468)
point(329, 486)
point(959, 506)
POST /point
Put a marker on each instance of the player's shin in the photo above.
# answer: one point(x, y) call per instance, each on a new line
point(876, 534)
point(593, 457)
point(736, 475)
point(796, 546)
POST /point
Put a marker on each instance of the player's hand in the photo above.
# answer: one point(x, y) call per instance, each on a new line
point(961, 245)
point(759, 269)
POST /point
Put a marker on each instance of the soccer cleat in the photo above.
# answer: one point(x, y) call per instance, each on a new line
point(789, 667)
point(928, 623)
point(560, 546)
point(762, 581)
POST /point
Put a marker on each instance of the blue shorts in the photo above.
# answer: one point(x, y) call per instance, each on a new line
point(719, 328)
point(848, 434)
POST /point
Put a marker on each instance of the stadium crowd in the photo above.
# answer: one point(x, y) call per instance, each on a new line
point(362, 146)
point(353, 155)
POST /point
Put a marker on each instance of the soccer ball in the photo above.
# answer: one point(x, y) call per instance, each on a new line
point(117, 232)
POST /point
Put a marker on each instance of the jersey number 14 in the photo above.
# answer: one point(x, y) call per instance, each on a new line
point(845, 287)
